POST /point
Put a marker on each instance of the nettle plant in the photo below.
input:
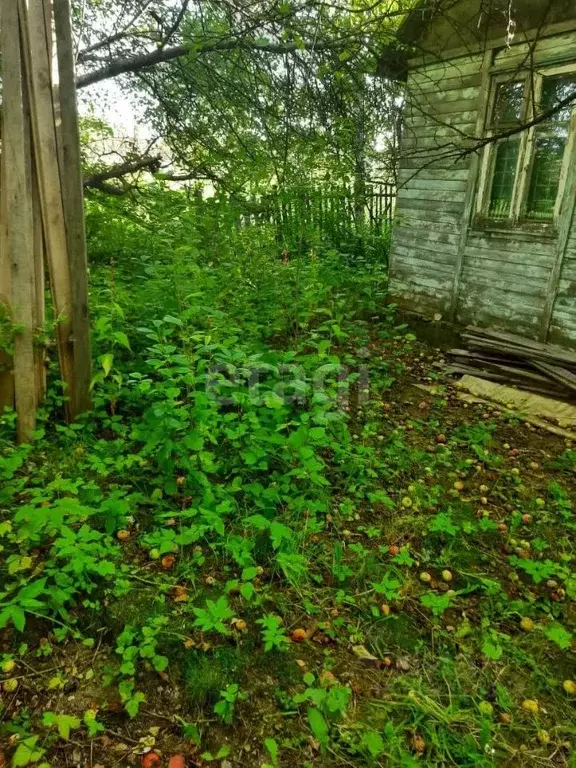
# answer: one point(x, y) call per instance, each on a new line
point(138, 645)
point(80, 559)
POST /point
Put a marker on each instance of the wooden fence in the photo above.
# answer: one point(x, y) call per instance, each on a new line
point(335, 212)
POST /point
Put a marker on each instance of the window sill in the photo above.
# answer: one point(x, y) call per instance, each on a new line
point(522, 229)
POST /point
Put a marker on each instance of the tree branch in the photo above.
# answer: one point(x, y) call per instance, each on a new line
point(96, 180)
point(87, 54)
point(174, 28)
point(145, 60)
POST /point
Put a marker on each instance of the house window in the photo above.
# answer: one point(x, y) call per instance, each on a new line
point(523, 174)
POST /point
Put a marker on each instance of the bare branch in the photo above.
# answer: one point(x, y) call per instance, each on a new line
point(174, 28)
point(125, 169)
point(146, 60)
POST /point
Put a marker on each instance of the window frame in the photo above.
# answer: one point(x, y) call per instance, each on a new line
point(533, 81)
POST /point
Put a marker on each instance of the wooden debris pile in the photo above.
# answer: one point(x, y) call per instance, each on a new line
point(509, 359)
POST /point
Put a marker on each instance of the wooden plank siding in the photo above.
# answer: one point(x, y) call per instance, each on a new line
point(442, 260)
point(442, 105)
point(563, 323)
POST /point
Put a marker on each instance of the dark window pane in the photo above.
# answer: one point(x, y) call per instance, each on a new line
point(549, 147)
point(554, 90)
point(508, 105)
point(546, 168)
point(503, 179)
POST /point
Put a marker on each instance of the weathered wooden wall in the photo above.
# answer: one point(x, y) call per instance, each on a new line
point(433, 180)
point(441, 261)
point(563, 325)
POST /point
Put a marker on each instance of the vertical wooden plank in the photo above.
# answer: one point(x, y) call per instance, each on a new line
point(39, 313)
point(6, 374)
point(471, 186)
point(38, 66)
point(73, 197)
point(18, 220)
point(38, 309)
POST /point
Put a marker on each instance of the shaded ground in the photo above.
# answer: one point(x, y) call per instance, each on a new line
point(435, 625)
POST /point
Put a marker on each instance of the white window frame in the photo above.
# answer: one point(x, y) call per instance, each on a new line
point(532, 91)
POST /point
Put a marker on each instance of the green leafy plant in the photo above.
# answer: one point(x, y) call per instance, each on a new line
point(212, 617)
point(388, 586)
point(61, 722)
point(437, 604)
point(228, 699)
point(28, 751)
point(130, 697)
point(273, 633)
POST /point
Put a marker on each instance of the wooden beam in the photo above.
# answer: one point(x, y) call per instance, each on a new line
point(18, 209)
point(39, 71)
point(72, 195)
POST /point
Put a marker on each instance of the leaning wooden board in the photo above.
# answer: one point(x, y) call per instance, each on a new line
point(19, 220)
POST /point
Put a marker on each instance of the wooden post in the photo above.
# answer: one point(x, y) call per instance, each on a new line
point(72, 194)
point(19, 222)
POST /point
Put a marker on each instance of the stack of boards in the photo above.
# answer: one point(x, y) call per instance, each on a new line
point(41, 211)
point(505, 358)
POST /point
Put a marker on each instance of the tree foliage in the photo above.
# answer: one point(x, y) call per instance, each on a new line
point(249, 94)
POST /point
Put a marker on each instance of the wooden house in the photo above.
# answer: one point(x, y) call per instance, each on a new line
point(485, 230)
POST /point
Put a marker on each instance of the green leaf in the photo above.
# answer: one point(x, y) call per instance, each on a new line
point(133, 704)
point(559, 635)
point(279, 533)
point(65, 723)
point(160, 663)
point(19, 564)
point(106, 361)
point(247, 590)
point(121, 338)
point(27, 752)
point(318, 726)
point(373, 742)
point(272, 747)
point(15, 614)
point(442, 523)
point(194, 441)
point(128, 668)
point(272, 400)
point(491, 649)
point(436, 603)
point(93, 726)
point(388, 586)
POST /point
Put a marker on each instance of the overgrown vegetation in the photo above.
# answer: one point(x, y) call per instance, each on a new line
point(264, 545)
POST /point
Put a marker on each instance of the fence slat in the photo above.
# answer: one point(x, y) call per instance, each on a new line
point(330, 211)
